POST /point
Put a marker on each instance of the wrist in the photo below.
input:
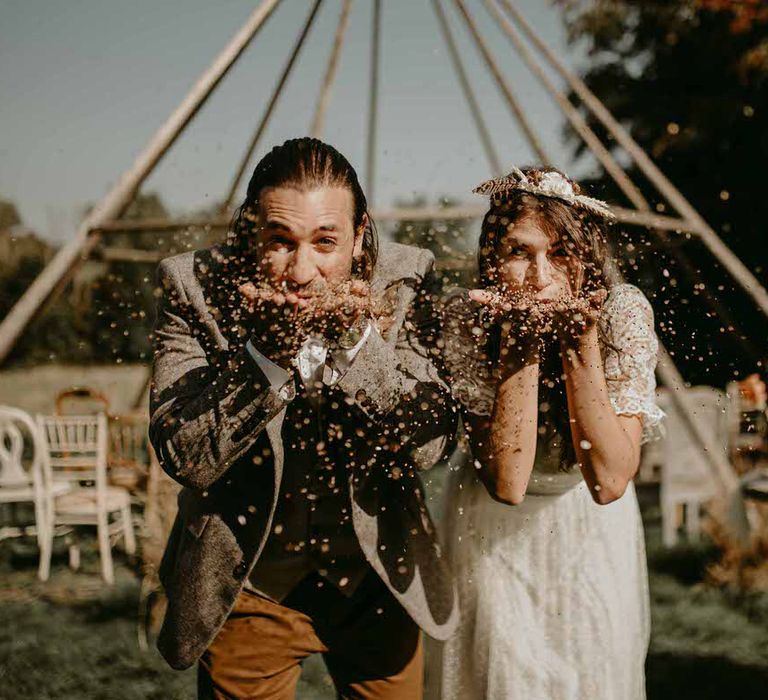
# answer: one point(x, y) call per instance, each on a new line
point(575, 348)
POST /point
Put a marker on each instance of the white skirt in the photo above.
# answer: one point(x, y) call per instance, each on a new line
point(553, 598)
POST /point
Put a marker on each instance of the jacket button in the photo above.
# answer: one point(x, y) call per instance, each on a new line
point(239, 570)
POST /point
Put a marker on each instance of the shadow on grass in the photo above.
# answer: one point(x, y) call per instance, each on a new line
point(686, 562)
point(675, 676)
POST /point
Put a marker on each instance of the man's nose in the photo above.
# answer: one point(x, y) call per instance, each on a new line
point(301, 270)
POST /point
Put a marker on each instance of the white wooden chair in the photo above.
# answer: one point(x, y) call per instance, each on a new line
point(686, 480)
point(26, 484)
point(76, 453)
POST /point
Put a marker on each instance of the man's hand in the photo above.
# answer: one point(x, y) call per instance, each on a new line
point(273, 322)
point(334, 311)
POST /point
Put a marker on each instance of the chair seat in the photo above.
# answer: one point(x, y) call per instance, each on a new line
point(27, 493)
point(83, 501)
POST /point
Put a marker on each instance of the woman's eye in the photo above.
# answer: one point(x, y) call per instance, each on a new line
point(517, 251)
point(560, 253)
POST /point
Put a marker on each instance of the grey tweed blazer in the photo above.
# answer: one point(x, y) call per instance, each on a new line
point(216, 426)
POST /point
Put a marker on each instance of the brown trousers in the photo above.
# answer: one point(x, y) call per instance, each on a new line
point(371, 646)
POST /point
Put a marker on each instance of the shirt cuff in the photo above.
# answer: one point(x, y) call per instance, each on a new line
point(276, 375)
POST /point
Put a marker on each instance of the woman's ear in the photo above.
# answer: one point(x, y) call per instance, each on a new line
point(357, 251)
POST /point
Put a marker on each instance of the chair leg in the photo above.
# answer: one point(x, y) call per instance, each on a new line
point(74, 556)
point(130, 537)
point(105, 549)
point(45, 542)
point(668, 523)
point(693, 519)
point(40, 524)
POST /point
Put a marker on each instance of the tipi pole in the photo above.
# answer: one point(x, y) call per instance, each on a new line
point(120, 196)
point(262, 127)
point(571, 113)
point(373, 102)
point(731, 262)
point(318, 120)
point(469, 95)
point(503, 86)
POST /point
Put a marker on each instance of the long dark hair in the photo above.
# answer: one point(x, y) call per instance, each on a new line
point(305, 163)
point(584, 235)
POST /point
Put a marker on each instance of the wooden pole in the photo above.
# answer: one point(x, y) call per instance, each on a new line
point(712, 454)
point(504, 87)
point(316, 130)
point(571, 113)
point(731, 262)
point(120, 196)
point(466, 211)
point(373, 101)
point(262, 127)
point(607, 160)
point(469, 95)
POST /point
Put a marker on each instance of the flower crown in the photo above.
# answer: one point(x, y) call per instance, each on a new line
point(547, 184)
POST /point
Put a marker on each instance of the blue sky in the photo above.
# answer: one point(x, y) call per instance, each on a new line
point(85, 83)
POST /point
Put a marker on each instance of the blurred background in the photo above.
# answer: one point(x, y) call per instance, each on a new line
point(657, 107)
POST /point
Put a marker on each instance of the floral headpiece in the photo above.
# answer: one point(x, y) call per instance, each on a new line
point(547, 184)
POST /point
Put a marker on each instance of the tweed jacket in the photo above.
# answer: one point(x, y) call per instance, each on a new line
point(216, 425)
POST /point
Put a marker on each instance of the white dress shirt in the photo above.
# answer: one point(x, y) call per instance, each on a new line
point(312, 362)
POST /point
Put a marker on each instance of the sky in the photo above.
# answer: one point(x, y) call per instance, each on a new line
point(84, 84)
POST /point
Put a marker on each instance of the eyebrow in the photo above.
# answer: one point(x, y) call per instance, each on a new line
point(272, 223)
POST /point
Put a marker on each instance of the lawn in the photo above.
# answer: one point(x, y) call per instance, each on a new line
point(74, 639)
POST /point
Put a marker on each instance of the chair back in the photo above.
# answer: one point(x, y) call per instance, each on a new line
point(14, 423)
point(684, 465)
point(128, 455)
point(76, 448)
point(81, 401)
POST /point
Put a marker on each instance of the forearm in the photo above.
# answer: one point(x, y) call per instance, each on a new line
point(505, 444)
point(201, 424)
point(607, 454)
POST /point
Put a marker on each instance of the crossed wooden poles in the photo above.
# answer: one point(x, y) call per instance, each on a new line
point(105, 218)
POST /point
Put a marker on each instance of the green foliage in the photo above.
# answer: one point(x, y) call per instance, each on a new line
point(452, 241)
point(689, 78)
point(106, 314)
point(9, 216)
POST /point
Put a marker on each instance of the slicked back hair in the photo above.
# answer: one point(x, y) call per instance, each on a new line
point(306, 164)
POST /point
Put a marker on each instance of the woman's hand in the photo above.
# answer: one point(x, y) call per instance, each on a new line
point(575, 320)
point(520, 339)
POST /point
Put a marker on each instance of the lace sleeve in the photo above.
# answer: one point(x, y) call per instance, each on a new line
point(629, 356)
point(464, 354)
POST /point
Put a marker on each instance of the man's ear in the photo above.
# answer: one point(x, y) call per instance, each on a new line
point(357, 251)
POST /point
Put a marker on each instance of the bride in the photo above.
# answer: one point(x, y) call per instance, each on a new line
point(554, 370)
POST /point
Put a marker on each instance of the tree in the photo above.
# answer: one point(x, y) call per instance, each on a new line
point(106, 314)
point(451, 241)
point(690, 80)
point(9, 216)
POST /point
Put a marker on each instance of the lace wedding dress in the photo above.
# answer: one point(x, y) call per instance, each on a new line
point(553, 592)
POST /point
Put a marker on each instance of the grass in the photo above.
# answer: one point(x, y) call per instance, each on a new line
point(74, 639)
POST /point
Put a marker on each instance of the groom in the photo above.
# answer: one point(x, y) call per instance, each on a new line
point(295, 398)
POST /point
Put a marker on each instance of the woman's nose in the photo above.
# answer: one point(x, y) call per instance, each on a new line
point(542, 273)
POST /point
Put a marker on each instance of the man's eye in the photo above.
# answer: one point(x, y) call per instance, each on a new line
point(278, 243)
point(327, 242)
